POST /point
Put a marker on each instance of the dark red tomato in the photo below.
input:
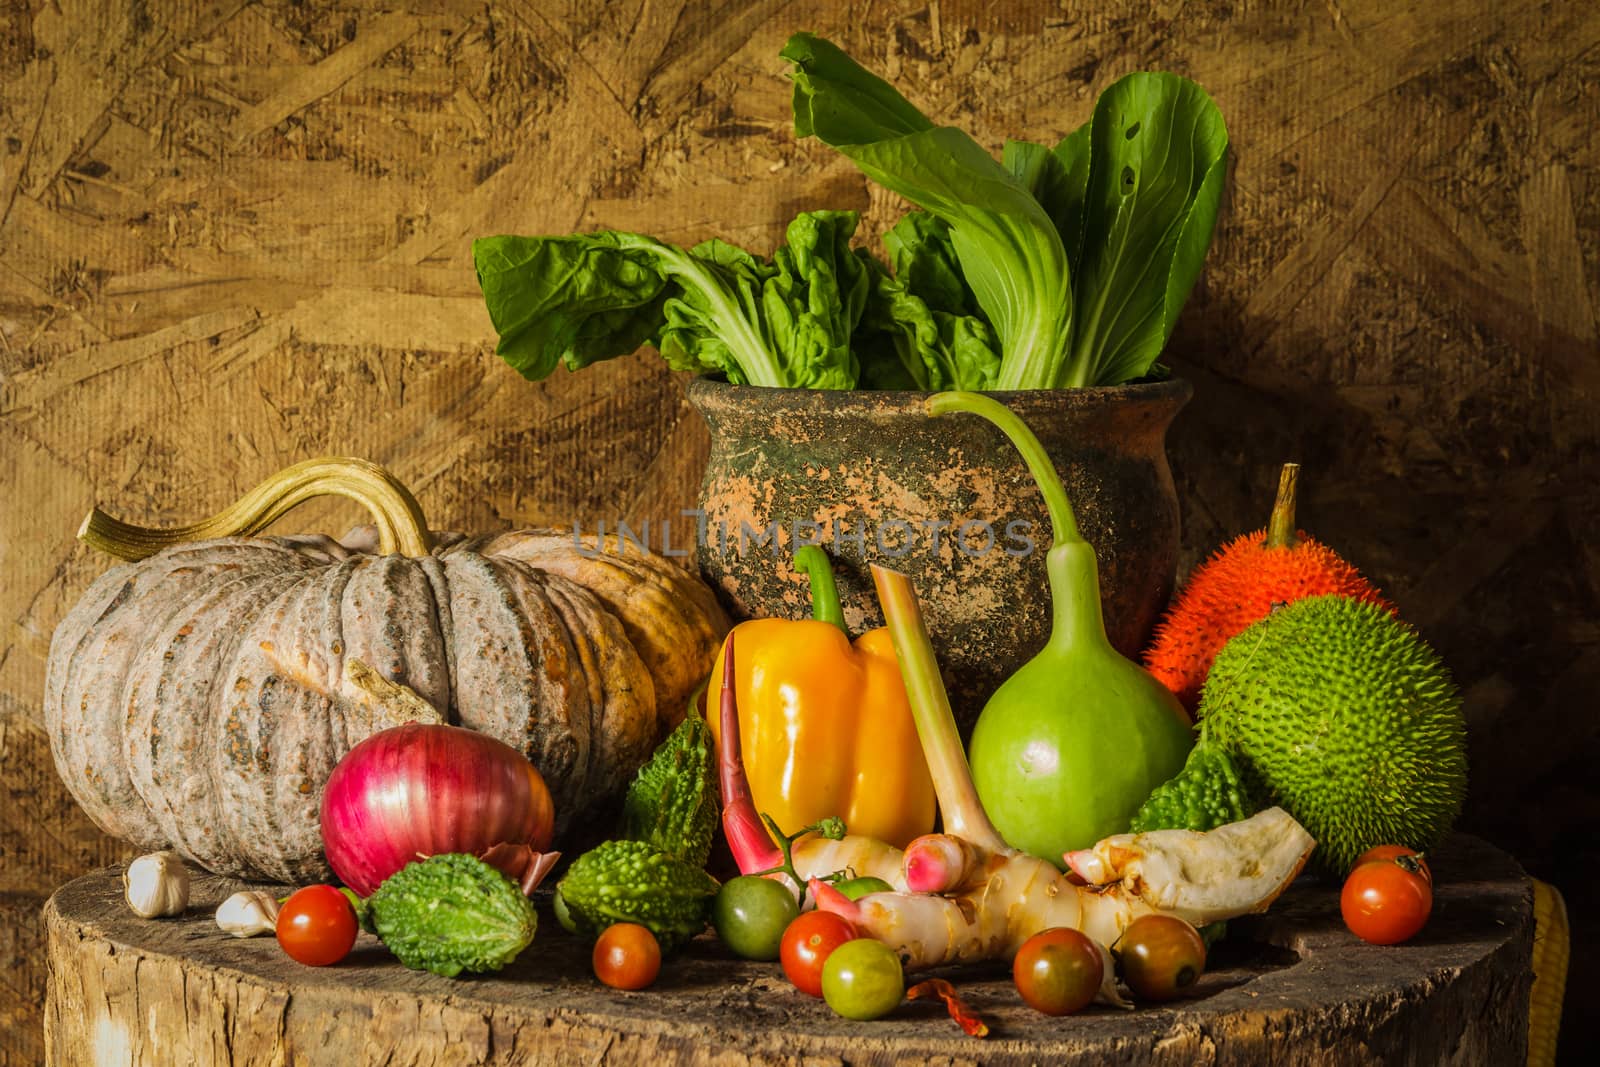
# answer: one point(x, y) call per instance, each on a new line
point(317, 926)
point(1058, 971)
point(807, 943)
point(1161, 956)
point(1390, 852)
point(1386, 901)
point(627, 956)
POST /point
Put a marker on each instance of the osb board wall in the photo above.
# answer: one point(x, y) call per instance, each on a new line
point(234, 235)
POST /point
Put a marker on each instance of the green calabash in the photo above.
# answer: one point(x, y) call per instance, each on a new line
point(1071, 744)
point(1069, 747)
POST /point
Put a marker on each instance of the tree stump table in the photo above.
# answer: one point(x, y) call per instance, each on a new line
point(1287, 988)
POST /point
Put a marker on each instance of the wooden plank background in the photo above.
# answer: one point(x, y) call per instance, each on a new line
point(235, 234)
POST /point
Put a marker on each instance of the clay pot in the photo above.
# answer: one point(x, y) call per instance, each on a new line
point(874, 478)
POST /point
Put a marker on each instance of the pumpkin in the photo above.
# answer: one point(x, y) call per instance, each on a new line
point(199, 695)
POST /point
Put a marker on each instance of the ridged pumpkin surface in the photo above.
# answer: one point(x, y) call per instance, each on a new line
point(198, 699)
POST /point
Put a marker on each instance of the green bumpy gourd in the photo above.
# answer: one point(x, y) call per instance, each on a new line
point(451, 913)
point(1351, 721)
point(1209, 792)
point(672, 803)
point(631, 881)
point(1070, 745)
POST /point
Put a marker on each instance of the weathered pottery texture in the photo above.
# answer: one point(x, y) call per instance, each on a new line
point(947, 499)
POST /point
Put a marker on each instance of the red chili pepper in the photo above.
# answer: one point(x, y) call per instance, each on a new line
point(969, 1020)
point(748, 840)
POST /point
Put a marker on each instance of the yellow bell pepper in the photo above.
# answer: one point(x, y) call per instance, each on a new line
point(825, 726)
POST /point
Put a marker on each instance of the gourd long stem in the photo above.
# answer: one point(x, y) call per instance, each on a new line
point(1064, 527)
point(959, 805)
point(1070, 564)
point(812, 561)
point(1280, 529)
point(401, 525)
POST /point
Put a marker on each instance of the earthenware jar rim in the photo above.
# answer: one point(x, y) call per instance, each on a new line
point(707, 392)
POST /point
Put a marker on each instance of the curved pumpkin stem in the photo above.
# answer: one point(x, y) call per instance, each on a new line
point(401, 526)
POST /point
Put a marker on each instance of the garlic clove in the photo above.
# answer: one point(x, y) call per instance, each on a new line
point(248, 914)
point(156, 885)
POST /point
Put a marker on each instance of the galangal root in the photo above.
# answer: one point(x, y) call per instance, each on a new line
point(1234, 870)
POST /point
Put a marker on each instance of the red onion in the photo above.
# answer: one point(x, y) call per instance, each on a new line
point(419, 790)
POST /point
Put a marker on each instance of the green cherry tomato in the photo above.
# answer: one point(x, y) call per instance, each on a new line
point(862, 979)
point(856, 888)
point(1058, 971)
point(750, 914)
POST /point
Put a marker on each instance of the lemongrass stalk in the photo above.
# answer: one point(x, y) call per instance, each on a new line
point(959, 805)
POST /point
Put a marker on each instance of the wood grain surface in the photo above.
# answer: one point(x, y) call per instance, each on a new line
point(235, 234)
point(1288, 989)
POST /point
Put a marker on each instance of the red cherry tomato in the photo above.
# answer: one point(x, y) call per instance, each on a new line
point(317, 926)
point(807, 943)
point(627, 956)
point(1386, 901)
point(1058, 971)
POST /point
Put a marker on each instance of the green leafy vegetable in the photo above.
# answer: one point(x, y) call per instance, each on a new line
point(926, 348)
point(1158, 158)
point(714, 308)
point(1081, 256)
point(1010, 251)
point(924, 315)
point(923, 258)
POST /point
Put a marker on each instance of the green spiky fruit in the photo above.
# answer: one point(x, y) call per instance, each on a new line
point(1351, 722)
point(672, 803)
point(1209, 792)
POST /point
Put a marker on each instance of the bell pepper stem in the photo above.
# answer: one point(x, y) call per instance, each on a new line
point(813, 562)
point(959, 805)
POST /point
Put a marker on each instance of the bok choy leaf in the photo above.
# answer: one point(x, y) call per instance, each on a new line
point(1010, 251)
point(1157, 161)
point(579, 299)
point(1080, 256)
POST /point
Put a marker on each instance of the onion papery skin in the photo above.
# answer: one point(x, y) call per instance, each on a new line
point(422, 789)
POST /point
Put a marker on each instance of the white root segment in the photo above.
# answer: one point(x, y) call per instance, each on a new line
point(1233, 870)
point(815, 857)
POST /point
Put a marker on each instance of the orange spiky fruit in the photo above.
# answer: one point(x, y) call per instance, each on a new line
point(1239, 585)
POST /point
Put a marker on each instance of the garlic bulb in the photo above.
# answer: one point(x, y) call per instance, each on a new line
point(248, 914)
point(157, 884)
